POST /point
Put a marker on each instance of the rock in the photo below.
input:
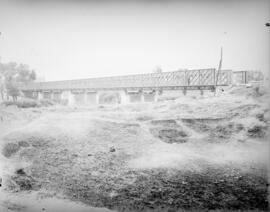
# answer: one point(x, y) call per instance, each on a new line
point(256, 131)
point(112, 149)
point(260, 117)
point(20, 172)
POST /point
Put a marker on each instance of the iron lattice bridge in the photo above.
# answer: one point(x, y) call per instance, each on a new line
point(200, 79)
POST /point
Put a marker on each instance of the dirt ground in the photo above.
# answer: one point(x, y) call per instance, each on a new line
point(189, 153)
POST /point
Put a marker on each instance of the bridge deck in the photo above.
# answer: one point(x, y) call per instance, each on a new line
point(188, 79)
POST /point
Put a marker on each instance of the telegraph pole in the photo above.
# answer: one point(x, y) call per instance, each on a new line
point(220, 61)
point(219, 68)
point(0, 35)
point(1, 81)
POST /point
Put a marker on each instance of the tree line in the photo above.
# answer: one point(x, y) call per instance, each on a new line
point(11, 75)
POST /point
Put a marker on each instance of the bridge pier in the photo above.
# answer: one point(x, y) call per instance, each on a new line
point(66, 97)
point(47, 95)
point(91, 97)
point(78, 96)
point(157, 94)
point(124, 98)
point(98, 97)
point(39, 95)
point(143, 97)
point(134, 96)
point(70, 97)
point(57, 96)
point(149, 96)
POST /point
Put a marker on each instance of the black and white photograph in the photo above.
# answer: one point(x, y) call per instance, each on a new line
point(134, 105)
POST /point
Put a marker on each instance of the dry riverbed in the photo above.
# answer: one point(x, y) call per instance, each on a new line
point(191, 153)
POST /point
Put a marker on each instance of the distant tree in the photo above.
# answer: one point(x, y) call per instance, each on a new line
point(25, 74)
point(11, 74)
point(12, 90)
point(2, 87)
point(157, 70)
point(7, 70)
point(33, 75)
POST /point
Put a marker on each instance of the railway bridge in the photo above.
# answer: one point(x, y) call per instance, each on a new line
point(126, 89)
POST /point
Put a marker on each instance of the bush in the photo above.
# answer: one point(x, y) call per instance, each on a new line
point(46, 102)
point(167, 98)
point(22, 103)
point(28, 103)
point(10, 149)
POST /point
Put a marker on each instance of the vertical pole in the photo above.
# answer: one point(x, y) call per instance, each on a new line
point(185, 78)
point(219, 68)
point(40, 96)
point(199, 77)
point(71, 99)
point(185, 84)
point(156, 96)
point(84, 97)
point(142, 96)
point(185, 91)
point(214, 79)
point(123, 97)
point(97, 97)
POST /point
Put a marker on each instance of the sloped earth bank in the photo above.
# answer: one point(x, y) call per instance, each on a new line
point(186, 154)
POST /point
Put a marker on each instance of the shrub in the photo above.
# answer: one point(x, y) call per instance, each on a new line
point(22, 103)
point(46, 102)
point(10, 149)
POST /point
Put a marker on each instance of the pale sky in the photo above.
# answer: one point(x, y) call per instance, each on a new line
point(84, 39)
